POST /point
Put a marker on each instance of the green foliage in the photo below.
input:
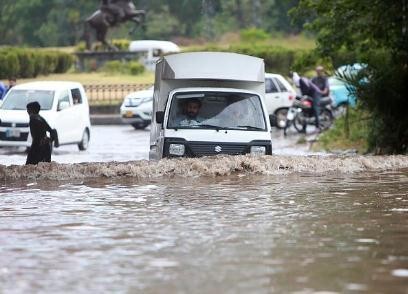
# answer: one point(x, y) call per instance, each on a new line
point(64, 63)
point(135, 68)
point(121, 44)
point(12, 64)
point(61, 23)
point(336, 137)
point(27, 63)
point(253, 35)
point(382, 89)
point(119, 67)
point(277, 59)
point(374, 33)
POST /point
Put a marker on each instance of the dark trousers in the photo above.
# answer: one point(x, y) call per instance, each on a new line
point(39, 152)
point(316, 110)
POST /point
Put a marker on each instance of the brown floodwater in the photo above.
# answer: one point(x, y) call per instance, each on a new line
point(240, 233)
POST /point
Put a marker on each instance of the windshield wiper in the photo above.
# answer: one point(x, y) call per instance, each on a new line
point(210, 126)
point(251, 128)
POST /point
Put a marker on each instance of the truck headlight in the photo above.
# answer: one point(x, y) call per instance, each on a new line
point(258, 150)
point(177, 149)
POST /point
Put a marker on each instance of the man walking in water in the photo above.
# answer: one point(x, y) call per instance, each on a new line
point(40, 150)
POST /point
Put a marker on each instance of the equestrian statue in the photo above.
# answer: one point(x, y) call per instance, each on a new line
point(111, 13)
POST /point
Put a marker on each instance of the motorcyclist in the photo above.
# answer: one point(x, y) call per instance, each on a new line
point(321, 81)
point(308, 88)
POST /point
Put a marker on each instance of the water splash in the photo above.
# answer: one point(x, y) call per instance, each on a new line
point(209, 167)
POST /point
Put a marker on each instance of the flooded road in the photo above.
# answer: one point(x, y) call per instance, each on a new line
point(124, 143)
point(293, 233)
point(295, 222)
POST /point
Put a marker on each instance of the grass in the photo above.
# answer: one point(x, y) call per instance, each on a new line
point(277, 40)
point(95, 78)
point(336, 138)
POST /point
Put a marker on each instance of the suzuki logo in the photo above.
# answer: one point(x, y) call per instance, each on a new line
point(218, 149)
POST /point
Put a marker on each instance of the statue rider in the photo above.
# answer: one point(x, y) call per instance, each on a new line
point(113, 8)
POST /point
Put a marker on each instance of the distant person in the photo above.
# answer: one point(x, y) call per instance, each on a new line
point(321, 81)
point(3, 90)
point(308, 88)
point(11, 83)
point(40, 150)
point(191, 117)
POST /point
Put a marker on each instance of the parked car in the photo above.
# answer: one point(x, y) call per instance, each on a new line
point(137, 107)
point(63, 104)
point(340, 93)
point(279, 96)
point(339, 90)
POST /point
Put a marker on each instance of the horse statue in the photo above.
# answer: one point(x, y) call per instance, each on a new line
point(111, 13)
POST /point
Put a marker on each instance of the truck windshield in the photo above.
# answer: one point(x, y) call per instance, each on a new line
point(216, 110)
point(18, 99)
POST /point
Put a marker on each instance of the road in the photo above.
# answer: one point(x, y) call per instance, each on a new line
point(123, 143)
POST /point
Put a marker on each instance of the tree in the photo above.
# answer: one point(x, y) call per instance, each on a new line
point(374, 32)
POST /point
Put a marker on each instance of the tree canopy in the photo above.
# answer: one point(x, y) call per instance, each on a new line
point(373, 32)
point(60, 22)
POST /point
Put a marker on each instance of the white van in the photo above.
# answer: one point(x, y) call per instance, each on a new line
point(64, 105)
point(209, 103)
point(152, 50)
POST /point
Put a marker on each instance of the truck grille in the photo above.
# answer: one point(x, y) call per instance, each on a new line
point(207, 149)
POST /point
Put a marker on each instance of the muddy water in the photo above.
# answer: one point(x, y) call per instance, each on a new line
point(242, 233)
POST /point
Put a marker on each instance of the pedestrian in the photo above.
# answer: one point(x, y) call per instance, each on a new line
point(321, 81)
point(3, 90)
point(12, 81)
point(40, 150)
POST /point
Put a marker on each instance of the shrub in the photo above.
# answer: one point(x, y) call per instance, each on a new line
point(12, 64)
point(135, 68)
point(27, 63)
point(277, 59)
point(116, 66)
point(64, 63)
point(252, 35)
point(384, 93)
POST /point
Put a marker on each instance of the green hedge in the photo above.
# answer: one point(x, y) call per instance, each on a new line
point(28, 63)
point(119, 67)
point(283, 60)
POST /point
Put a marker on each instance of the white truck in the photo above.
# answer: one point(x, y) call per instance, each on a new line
point(209, 103)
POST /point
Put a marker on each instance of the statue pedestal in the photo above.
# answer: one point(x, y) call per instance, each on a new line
point(90, 61)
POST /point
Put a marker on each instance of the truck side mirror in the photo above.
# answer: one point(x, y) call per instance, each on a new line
point(159, 117)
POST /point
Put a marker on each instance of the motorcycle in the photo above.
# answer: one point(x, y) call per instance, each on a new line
point(301, 114)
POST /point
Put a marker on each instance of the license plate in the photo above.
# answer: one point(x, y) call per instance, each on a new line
point(12, 133)
point(128, 114)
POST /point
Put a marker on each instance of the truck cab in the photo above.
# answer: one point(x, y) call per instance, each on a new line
point(209, 103)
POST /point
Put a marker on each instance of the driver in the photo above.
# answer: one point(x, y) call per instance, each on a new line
point(191, 117)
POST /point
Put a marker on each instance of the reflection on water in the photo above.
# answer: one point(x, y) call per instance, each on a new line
point(239, 234)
